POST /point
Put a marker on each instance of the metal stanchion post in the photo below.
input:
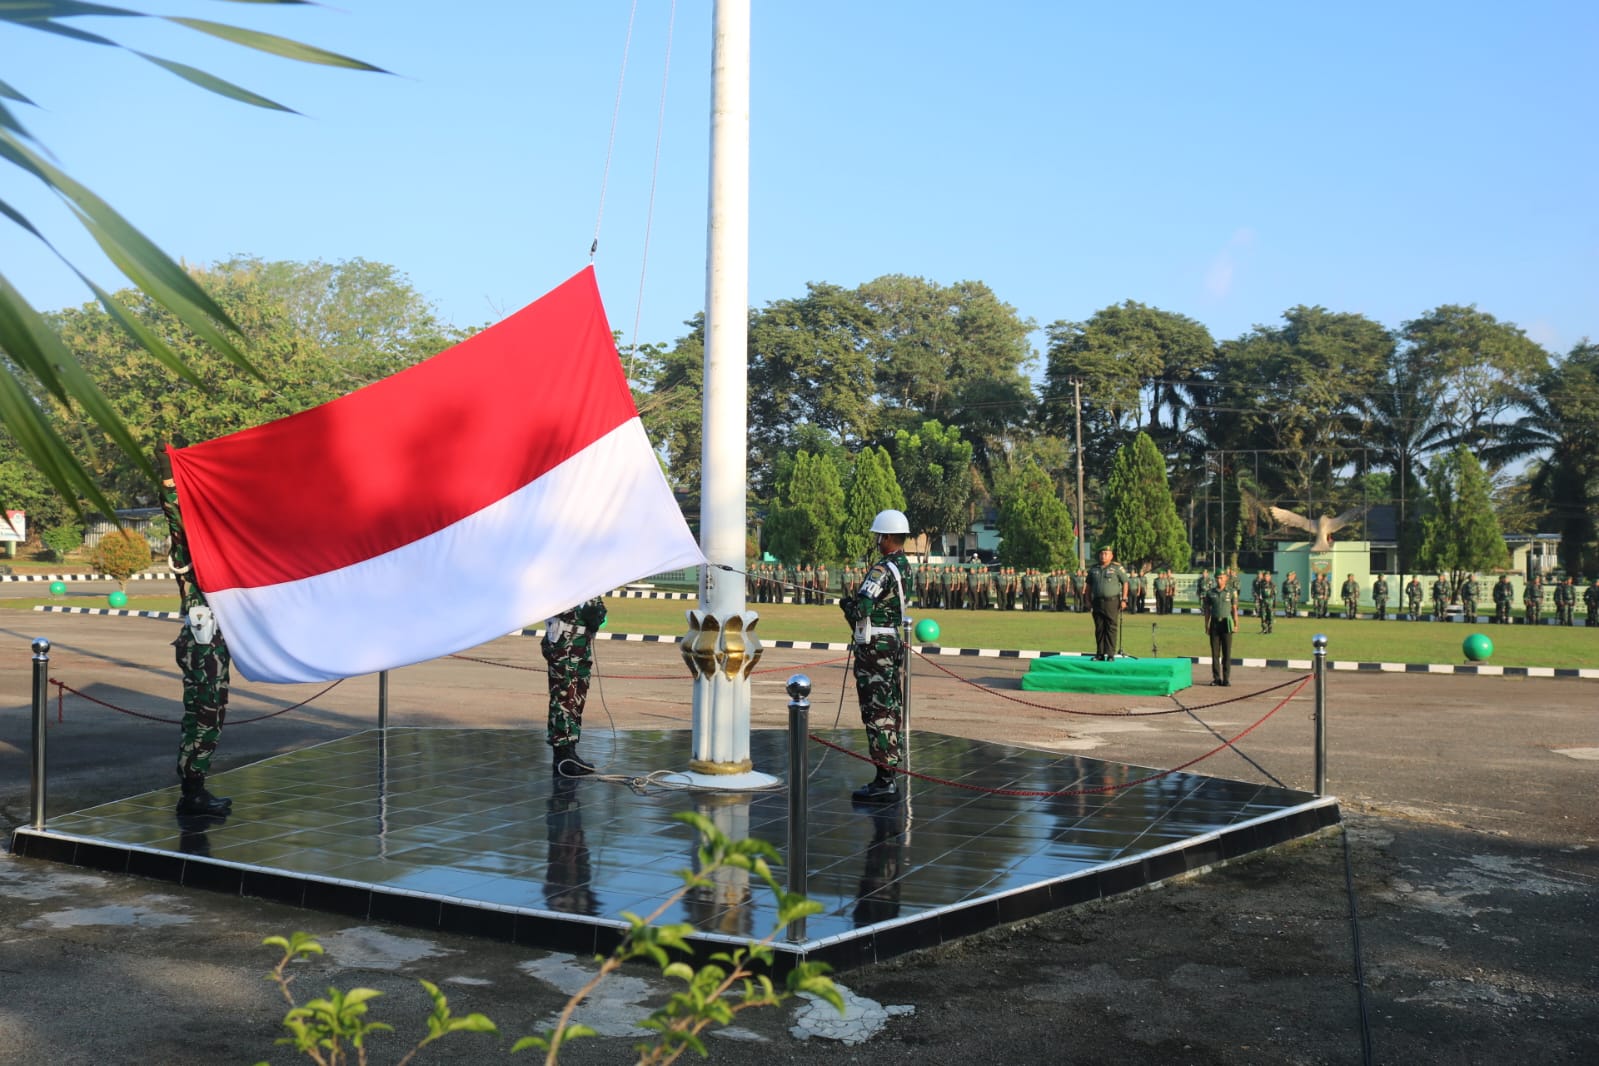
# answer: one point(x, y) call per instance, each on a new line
point(383, 699)
point(1319, 661)
point(799, 731)
point(41, 703)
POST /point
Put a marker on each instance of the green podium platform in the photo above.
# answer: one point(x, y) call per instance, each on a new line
point(1120, 677)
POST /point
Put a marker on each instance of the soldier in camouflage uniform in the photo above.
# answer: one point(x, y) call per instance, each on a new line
point(1413, 597)
point(1351, 596)
point(876, 610)
point(1440, 597)
point(1291, 595)
point(1468, 598)
point(1320, 595)
point(1532, 601)
point(1504, 600)
point(568, 648)
point(1590, 600)
point(1565, 602)
point(1379, 597)
point(1265, 593)
point(206, 668)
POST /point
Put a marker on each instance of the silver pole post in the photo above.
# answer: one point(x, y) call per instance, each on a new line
point(799, 711)
point(1319, 662)
point(41, 703)
point(905, 724)
point(383, 699)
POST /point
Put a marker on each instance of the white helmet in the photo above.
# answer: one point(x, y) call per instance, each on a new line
point(891, 522)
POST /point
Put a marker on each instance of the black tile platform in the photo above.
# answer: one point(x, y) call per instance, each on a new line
point(465, 830)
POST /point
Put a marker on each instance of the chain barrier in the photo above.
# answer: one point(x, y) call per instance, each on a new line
point(62, 688)
point(1096, 790)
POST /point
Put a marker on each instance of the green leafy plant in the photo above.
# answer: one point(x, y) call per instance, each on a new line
point(62, 541)
point(121, 553)
point(329, 1030)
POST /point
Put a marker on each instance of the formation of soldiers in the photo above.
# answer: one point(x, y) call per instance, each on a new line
point(979, 587)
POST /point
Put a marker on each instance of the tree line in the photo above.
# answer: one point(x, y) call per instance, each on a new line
point(930, 397)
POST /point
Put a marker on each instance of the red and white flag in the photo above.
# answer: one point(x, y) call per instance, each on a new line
point(493, 485)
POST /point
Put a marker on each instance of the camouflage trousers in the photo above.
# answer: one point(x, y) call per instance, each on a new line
point(206, 670)
point(570, 663)
point(879, 673)
point(1265, 610)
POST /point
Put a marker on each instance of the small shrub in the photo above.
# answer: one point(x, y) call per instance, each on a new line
point(62, 541)
point(121, 554)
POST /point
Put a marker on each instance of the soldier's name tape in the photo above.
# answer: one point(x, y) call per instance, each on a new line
point(1477, 669)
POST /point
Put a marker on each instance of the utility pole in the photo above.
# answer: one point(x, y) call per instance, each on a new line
point(1082, 524)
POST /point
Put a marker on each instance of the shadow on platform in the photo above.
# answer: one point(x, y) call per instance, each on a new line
point(465, 830)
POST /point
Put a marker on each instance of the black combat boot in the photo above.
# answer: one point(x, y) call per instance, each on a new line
point(568, 763)
point(880, 789)
point(196, 800)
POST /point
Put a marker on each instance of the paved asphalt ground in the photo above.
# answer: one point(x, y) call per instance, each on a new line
point(1472, 850)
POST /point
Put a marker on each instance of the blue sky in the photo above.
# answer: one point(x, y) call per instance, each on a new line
point(1224, 161)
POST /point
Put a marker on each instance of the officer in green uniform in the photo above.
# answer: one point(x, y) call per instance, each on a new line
point(1320, 594)
point(1379, 597)
point(1351, 596)
point(1108, 586)
point(1565, 601)
point(1590, 600)
point(1532, 601)
point(1468, 598)
point(206, 667)
point(1265, 593)
point(568, 648)
point(1413, 597)
point(1440, 597)
point(1504, 600)
point(1292, 594)
point(1219, 608)
point(875, 610)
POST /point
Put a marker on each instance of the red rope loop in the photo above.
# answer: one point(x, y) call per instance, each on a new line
point(1097, 790)
point(62, 688)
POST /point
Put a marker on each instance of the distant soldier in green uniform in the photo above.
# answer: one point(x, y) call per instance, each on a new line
point(1440, 598)
point(1565, 601)
point(1140, 592)
point(1379, 597)
point(1590, 600)
point(1108, 587)
point(1532, 601)
point(1413, 597)
point(1219, 608)
point(1320, 594)
point(1162, 592)
point(1504, 600)
point(1265, 594)
point(1351, 596)
point(1468, 598)
point(875, 610)
point(568, 648)
point(1292, 594)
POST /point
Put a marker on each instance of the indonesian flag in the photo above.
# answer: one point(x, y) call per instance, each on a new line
point(493, 485)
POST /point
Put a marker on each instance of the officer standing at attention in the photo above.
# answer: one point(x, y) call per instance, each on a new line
point(205, 665)
point(1468, 598)
point(1320, 594)
point(1108, 585)
point(1565, 601)
point(1413, 595)
point(568, 648)
point(1440, 597)
point(1265, 593)
point(1219, 607)
point(1590, 600)
point(876, 610)
point(1291, 594)
point(1379, 597)
point(1504, 600)
point(1532, 600)
point(1351, 596)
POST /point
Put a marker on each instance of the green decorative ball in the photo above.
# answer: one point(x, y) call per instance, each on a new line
point(1477, 647)
point(927, 631)
point(58, 588)
point(117, 599)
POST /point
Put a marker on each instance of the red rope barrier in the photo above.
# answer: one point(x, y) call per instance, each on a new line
point(1098, 789)
point(62, 688)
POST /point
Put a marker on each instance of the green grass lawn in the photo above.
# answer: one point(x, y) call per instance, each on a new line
point(1363, 639)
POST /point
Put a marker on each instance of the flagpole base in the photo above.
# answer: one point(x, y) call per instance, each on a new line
point(711, 769)
point(748, 781)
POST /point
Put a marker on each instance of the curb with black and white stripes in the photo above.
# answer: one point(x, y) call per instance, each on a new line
point(1467, 669)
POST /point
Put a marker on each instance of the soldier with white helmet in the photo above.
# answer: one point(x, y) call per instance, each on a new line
point(875, 610)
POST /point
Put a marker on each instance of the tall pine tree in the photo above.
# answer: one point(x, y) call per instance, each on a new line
point(1462, 535)
point(1141, 520)
point(873, 488)
point(1035, 527)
